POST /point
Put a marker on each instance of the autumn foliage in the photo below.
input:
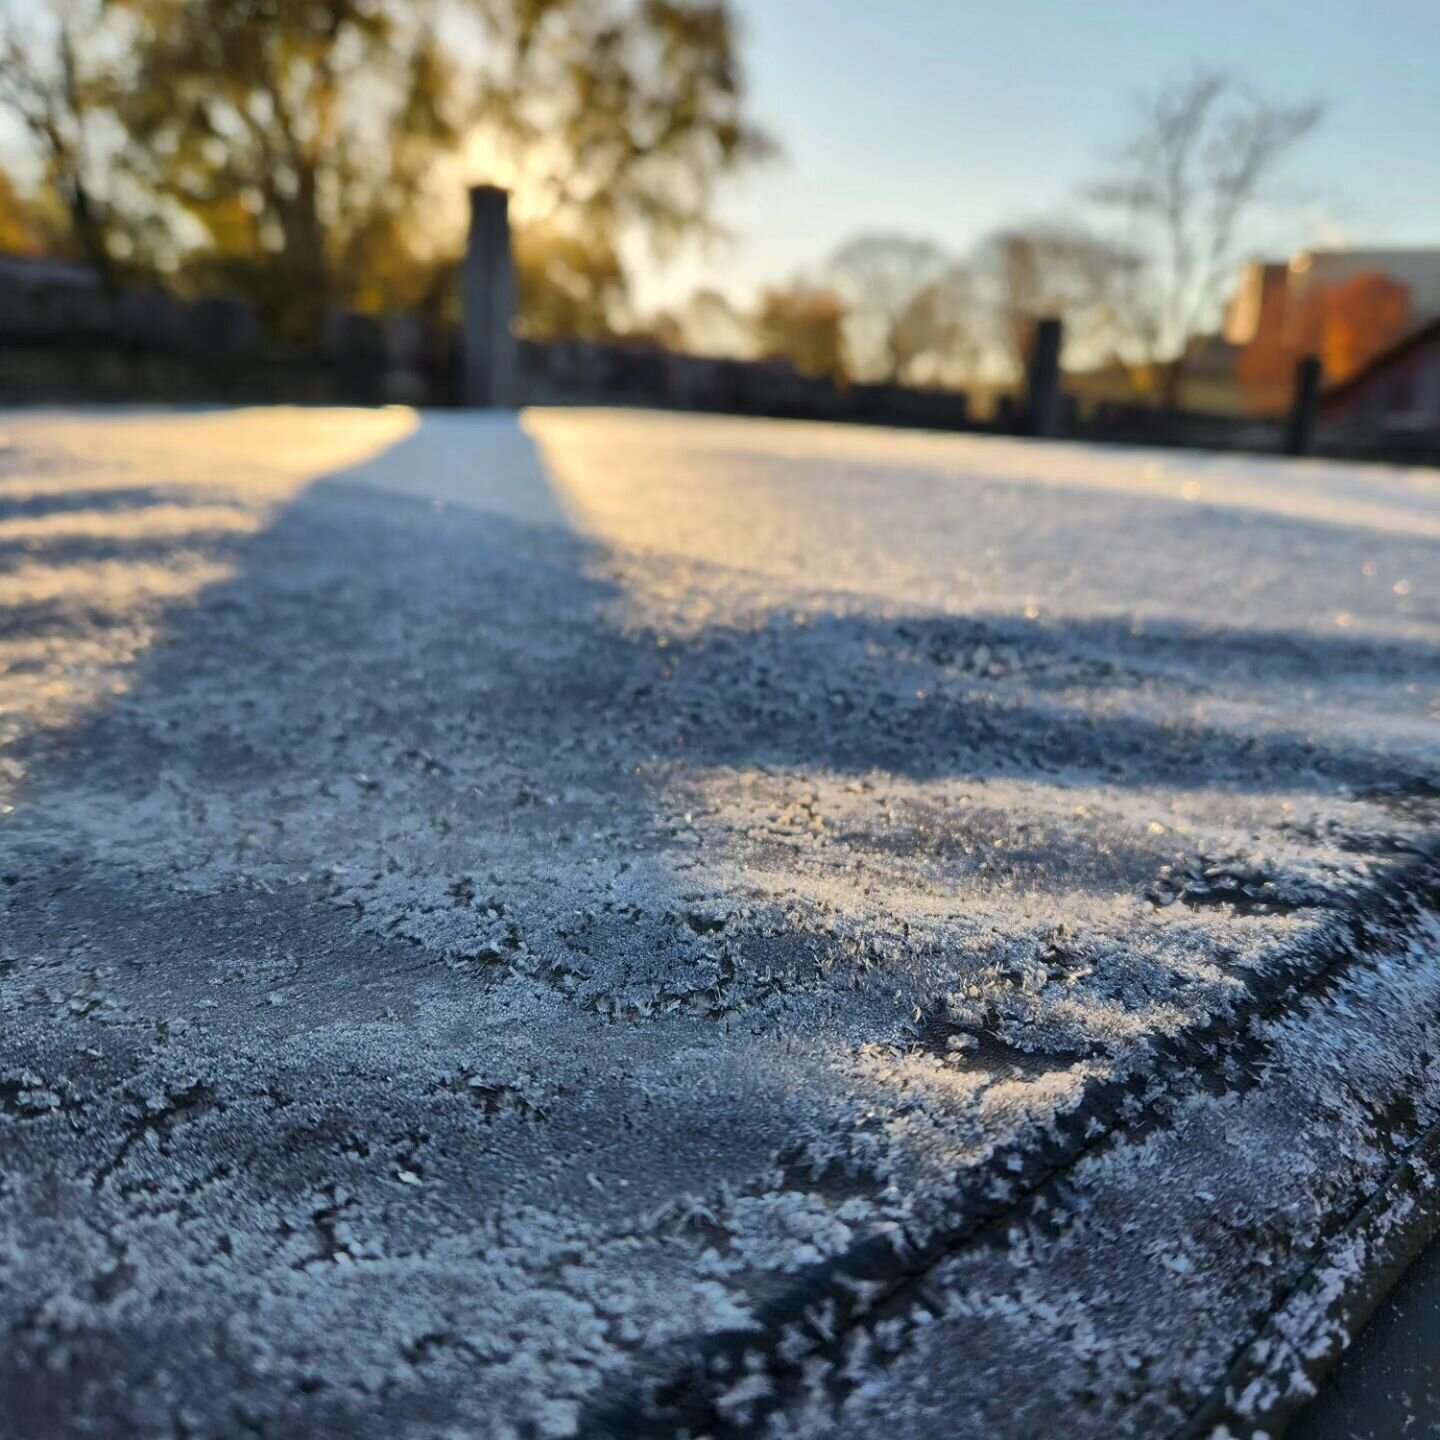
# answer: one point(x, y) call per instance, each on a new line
point(806, 327)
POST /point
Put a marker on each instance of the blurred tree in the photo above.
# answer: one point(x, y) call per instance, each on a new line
point(618, 112)
point(59, 79)
point(288, 147)
point(805, 326)
point(294, 137)
point(1186, 186)
point(24, 228)
point(937, 338)
point(571, 283)
point(879, 277)
point(1062, 270)
point(711, 325)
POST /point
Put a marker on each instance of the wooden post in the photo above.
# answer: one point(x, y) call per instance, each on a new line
point(1304, 407)
point(488, 296)
point(1042, 381)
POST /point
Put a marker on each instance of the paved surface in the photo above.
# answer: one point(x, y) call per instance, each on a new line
point(629, 925)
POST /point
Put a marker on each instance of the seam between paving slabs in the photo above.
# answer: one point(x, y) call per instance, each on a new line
point(886, 1276)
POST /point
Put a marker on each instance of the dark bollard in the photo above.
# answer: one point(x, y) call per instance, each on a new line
point(1042, 381)
point(488, 294)
point(1304, 407)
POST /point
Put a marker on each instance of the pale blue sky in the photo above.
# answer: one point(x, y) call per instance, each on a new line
point(948, 118)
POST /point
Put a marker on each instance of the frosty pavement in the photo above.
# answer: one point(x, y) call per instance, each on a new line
point(630, 925)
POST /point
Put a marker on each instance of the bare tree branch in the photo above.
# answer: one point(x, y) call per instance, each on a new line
point(1186, 186)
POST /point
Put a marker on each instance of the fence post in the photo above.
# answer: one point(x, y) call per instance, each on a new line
point(1304, 407)
point(488, 297)
point(1042, 381)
